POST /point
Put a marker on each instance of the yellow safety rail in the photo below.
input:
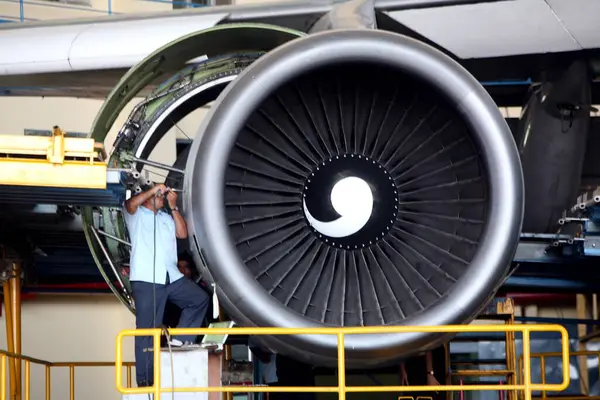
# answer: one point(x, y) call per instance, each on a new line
point(527, 386)
point(55, 161)
point(505, 312)
point(413, 398)
point(6, 356)
point(544, 356)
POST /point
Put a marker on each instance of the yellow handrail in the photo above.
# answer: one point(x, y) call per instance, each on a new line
point(341, 388)
point(546, 355)
point(5, 356)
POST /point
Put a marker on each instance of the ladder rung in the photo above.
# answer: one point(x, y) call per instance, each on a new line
point(483, 372)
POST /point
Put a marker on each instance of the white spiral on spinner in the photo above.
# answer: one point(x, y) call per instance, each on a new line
point(352, 199)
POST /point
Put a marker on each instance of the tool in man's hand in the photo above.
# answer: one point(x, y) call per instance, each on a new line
point(160, 193)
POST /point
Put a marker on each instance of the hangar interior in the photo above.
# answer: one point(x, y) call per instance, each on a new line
point(66, 293)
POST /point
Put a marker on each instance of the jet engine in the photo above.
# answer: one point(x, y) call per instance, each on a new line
point(345, 178)
point(354, 178)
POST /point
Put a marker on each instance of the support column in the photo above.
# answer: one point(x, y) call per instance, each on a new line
point(12, 307)
point(12, 365)
point(583, 313)
point(15, 292)
point(227, 354)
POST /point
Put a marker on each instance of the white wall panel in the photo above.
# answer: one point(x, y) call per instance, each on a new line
point(74, 328)
point(19, 113)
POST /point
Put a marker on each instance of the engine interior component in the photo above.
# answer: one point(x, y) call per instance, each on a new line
point(354, 178)
point(191, 88)
point(552, 140)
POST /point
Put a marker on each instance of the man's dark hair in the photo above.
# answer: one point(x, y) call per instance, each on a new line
point(186, 256)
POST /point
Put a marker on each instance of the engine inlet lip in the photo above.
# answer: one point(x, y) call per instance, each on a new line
point(206, 176)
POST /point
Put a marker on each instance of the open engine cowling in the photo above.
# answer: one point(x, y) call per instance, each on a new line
point(354, 178)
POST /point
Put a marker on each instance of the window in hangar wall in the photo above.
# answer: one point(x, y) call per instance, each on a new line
point(73, 2)
point(46, 132)
point(178, 4)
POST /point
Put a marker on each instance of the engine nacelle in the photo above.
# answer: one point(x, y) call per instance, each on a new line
point(354, 178)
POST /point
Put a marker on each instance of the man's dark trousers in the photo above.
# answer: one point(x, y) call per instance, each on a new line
point(185, 294)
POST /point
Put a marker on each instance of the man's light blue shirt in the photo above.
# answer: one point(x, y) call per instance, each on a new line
point(141, 227)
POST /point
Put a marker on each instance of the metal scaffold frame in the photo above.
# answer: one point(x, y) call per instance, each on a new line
point(15, 368)
point(18, 359)
point(57, 161)
point(57, 169)
point(44, 168)
point(504, 311)
point(543, 357)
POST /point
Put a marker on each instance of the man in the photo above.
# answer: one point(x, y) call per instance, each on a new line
point(266, 359)
point(154, 275)
point(425, 370)
point(291, 372)
point(185, 264)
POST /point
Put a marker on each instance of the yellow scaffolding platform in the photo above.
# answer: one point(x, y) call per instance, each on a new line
point(125, 386)
point(526, 386)
point(56, 161)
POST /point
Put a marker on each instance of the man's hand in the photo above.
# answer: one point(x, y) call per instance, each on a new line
point(159, 188)
point(133, 203)
point(432, 380)
point(172, 199)
point(180, 226)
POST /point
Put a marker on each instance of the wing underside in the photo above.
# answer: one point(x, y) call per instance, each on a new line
point(80, 58)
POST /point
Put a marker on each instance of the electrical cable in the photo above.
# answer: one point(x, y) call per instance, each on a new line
point(168, 336)
point(164, 330)
point(154, 261)
point(153, 289)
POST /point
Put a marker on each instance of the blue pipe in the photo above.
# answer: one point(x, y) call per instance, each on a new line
point(508, 82)
point(549, 284)
point(22, 9)
point(109, 7)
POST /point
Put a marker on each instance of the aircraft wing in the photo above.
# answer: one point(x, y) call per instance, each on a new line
point(86, 57)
